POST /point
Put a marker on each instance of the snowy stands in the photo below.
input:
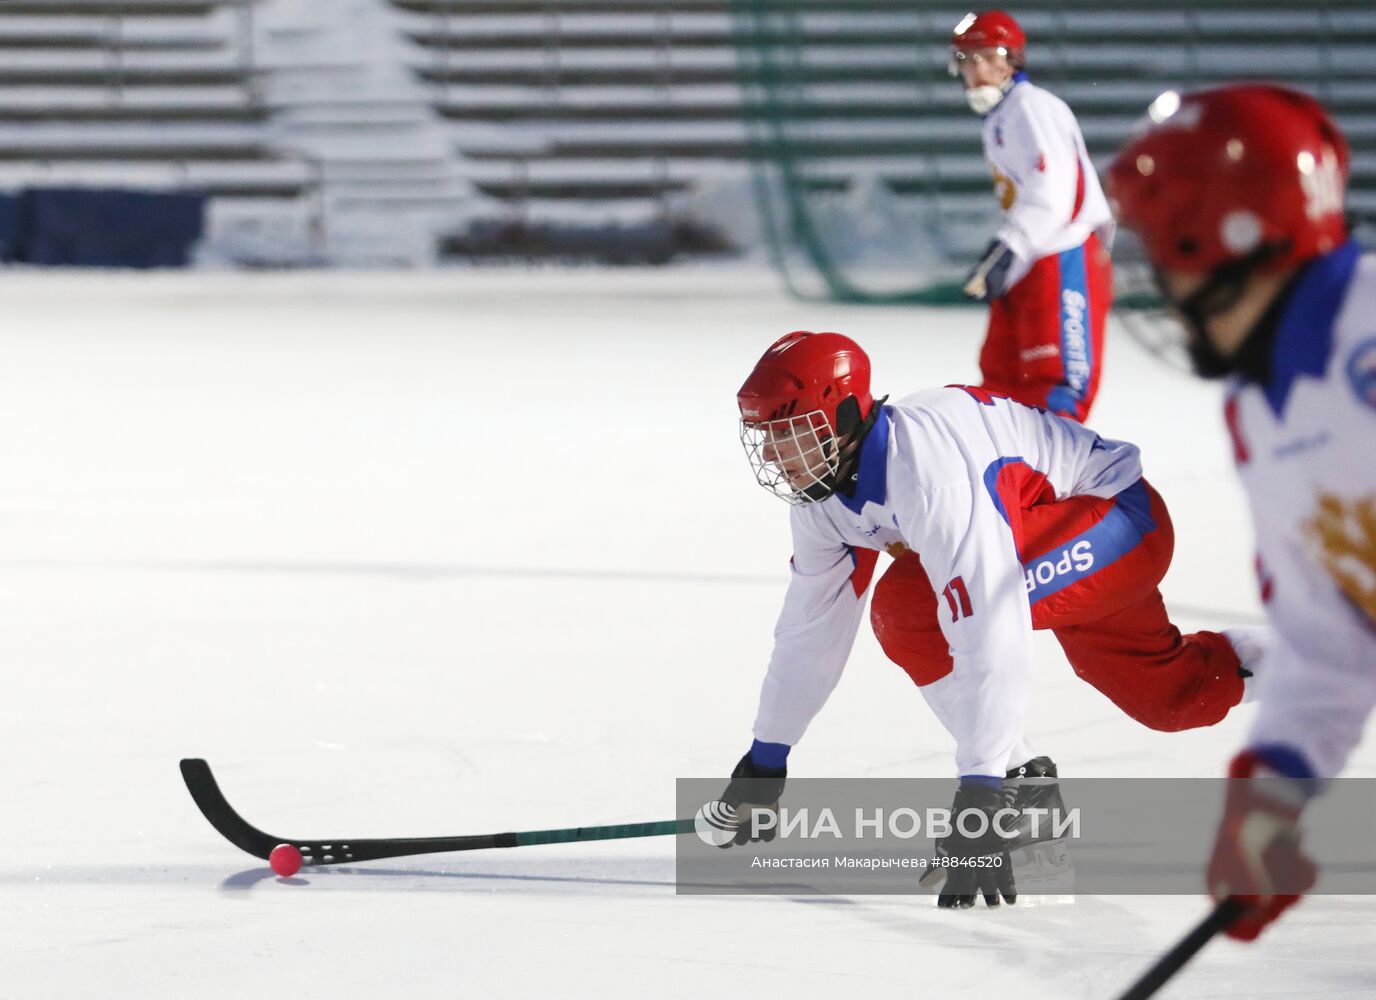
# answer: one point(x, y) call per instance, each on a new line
point(151, 94)
point(586, 119)
point(597, 108)
point(557, 104)
point(296, 118)
point(371, 129)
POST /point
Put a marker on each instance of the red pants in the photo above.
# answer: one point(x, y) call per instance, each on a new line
point(1046, 336)
point(1109, 619)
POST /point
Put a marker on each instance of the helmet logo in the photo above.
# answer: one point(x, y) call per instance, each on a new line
point(1322, 183)
point(1240, 232)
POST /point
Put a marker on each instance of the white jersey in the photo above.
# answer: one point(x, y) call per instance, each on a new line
point(1043, 177)
point(927, 482)
point(1305, 445)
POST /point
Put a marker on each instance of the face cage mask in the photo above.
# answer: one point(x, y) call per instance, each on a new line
point(985, 99)
point(959, 57)
point(794, 458)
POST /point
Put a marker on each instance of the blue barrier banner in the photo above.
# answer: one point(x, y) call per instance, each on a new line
point(94, 227)
point(9, 226)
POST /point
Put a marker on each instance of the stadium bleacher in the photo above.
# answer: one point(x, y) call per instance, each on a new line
point(153, 93)
point(455, 112)
point(627, 103)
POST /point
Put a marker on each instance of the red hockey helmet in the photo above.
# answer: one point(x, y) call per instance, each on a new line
point(805, 398)
point(990, 29)
point(1250, 173)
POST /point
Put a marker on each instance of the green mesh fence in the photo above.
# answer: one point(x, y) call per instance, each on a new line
point(837, 99)
point(868, 168)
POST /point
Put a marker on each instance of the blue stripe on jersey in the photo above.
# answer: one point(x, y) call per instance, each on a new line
point(1077, 345)
point(1117, 534)
point(991, 482)
point(871, 482)
point(1304, 336)
point(1135, 503)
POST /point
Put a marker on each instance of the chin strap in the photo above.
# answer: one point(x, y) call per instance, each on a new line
point(848, 470)
point(1220, 292)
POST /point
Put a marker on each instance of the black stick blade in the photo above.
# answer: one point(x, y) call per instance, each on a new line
point(200, 782)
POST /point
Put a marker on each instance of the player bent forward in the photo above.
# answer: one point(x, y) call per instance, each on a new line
point(1018, 519)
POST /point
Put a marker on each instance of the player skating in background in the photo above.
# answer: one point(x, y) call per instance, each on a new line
point(1237, 195)
point(1046, 274)
point(1016, 518)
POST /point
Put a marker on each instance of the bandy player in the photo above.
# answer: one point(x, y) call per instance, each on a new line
point(1046, 274)
point(1237, 195)
point(1013, 519)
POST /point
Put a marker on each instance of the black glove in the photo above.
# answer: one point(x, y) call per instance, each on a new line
point(989, 279)
point(988, 869)
point(754, 789)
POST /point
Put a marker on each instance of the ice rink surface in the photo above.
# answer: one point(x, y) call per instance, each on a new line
point(478, 551)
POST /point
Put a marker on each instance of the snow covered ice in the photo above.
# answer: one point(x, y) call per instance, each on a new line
point(475, 551)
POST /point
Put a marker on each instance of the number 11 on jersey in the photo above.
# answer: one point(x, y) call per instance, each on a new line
point(958, 598)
